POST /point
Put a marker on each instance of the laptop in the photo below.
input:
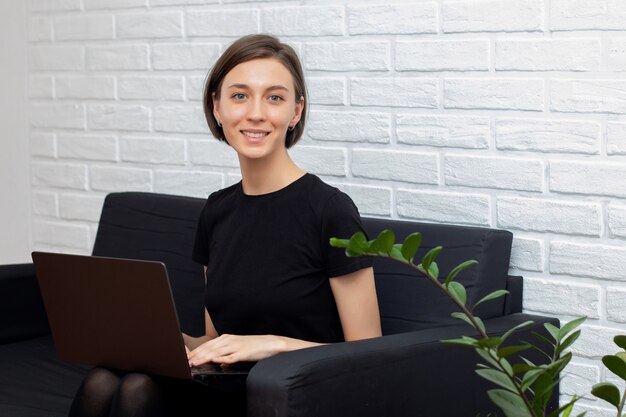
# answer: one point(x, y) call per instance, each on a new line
point(119, 313)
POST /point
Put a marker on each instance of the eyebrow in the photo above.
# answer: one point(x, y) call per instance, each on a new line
point(271, 87)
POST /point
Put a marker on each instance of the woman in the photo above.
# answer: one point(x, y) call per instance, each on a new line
point(273, 283)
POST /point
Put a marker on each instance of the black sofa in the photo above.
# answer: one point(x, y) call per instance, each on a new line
point(407, 372)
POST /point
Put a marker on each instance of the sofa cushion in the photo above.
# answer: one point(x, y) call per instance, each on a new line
point(409, 302)
point(158, 227)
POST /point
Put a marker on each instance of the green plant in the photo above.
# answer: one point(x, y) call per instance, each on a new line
point(524, 388)
point(616, 364)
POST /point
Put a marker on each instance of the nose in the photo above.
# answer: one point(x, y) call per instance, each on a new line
point(257, 110)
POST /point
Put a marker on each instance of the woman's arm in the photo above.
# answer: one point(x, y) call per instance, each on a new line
point(355, 296)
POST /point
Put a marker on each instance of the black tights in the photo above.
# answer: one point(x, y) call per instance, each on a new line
point(107, 393)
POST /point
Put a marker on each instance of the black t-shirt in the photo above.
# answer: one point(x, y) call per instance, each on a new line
point(269, 261)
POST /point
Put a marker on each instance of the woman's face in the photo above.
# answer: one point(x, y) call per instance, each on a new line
point(256, 106)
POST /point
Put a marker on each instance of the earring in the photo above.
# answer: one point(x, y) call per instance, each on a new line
point(218, 123)
point(291, 128)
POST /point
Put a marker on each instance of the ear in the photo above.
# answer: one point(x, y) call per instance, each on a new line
point(298, 111)
point(216, 106)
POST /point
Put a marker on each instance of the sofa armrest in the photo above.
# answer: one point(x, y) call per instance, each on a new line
point(408, 374)
point(22, 313)
point(513, 300)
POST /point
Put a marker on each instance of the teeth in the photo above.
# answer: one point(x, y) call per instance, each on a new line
point(254, 135)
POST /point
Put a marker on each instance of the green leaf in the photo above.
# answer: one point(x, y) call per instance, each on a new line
point(511, 404)
point(518, 368)
point(433, 270)
point(620, 340)
point(498, 378)
point(615, 365)
point(492, 296)
point(490, 342)
point(607, 392)
point(553, 330)
point(430, 256)
point(569, 340)
point(487, 358)
point(457, 291)
point(568, 327)
point(464, 341)
point(480, 323)
point(530, 377)
point(510, 350)
point(459, 268)
point(410, 245)
point(339, 243)
point(516, 327)
point(462, 316)
point(356, 245)
point(543, 338)
point(385, 240)
point(396, 253)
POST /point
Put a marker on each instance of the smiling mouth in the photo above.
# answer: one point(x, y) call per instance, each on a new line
point(254, 135)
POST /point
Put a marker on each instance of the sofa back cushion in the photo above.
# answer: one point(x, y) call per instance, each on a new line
point(160, 228)
point(409, 302)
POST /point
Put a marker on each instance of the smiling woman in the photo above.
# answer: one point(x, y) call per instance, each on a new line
point(273, 283)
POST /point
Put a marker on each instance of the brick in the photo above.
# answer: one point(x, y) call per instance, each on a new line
point(495, 93)
point(149, 25)
point(549, 216)
point(80, 207)
point(492, 16)
point(151, 88)
point(617, 220)
point(220, 23)
point(370, 200)
point(153, 151)
point(443, 131)
point(588, 96)
point(414, 167)
point(587, 14)
point(596, 261)
point(320, 161)
point(527, 254)
point(595, 342)
point(81, 87)
point(490, 172)
point(57, 115)
point(616, 54)
point(600, 178)
point(154, 3)
point(120, 179)
point(349, 126)
point(90, 147)
point(81, 28)
point(42, 144)
point(393, 19)
point(180, 119)
point(195, 56)
point(195, 88)
point(40, 86)
point(118, 117)
point(303, 21)
point(61, 234)
point(326, 90)
point(562, 136)
point(54, 5)
point(576, 54)
point(561, 298)
point(113, 4)
point(211, 152)
point(578, 379)
point(45, 204)
point(117, 57)
point(59, 175)
point(438, 55)
point(347, 56)
point(444, 207)
point(232, 179)
point(39, 29)
point(394, 92)
point(615, 302)
point(188, 183)
point(616, 138)
point(57, 58)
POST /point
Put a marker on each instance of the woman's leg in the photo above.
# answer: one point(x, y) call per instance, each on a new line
point(139, 395)
point(95, 394)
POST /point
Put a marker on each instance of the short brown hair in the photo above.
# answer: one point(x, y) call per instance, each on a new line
point(246, 49)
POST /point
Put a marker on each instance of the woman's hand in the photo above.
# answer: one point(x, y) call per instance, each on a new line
point(227, 349)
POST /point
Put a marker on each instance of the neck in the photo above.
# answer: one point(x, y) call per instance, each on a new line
point(263, 176)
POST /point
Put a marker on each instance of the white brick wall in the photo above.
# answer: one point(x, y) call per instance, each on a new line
point(500, 113)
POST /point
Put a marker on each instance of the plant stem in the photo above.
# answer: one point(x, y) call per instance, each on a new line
point(520, 393)
point(621, 404)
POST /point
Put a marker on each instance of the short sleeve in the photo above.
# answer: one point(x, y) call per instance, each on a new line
point(341, 219)
point(200, 252)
